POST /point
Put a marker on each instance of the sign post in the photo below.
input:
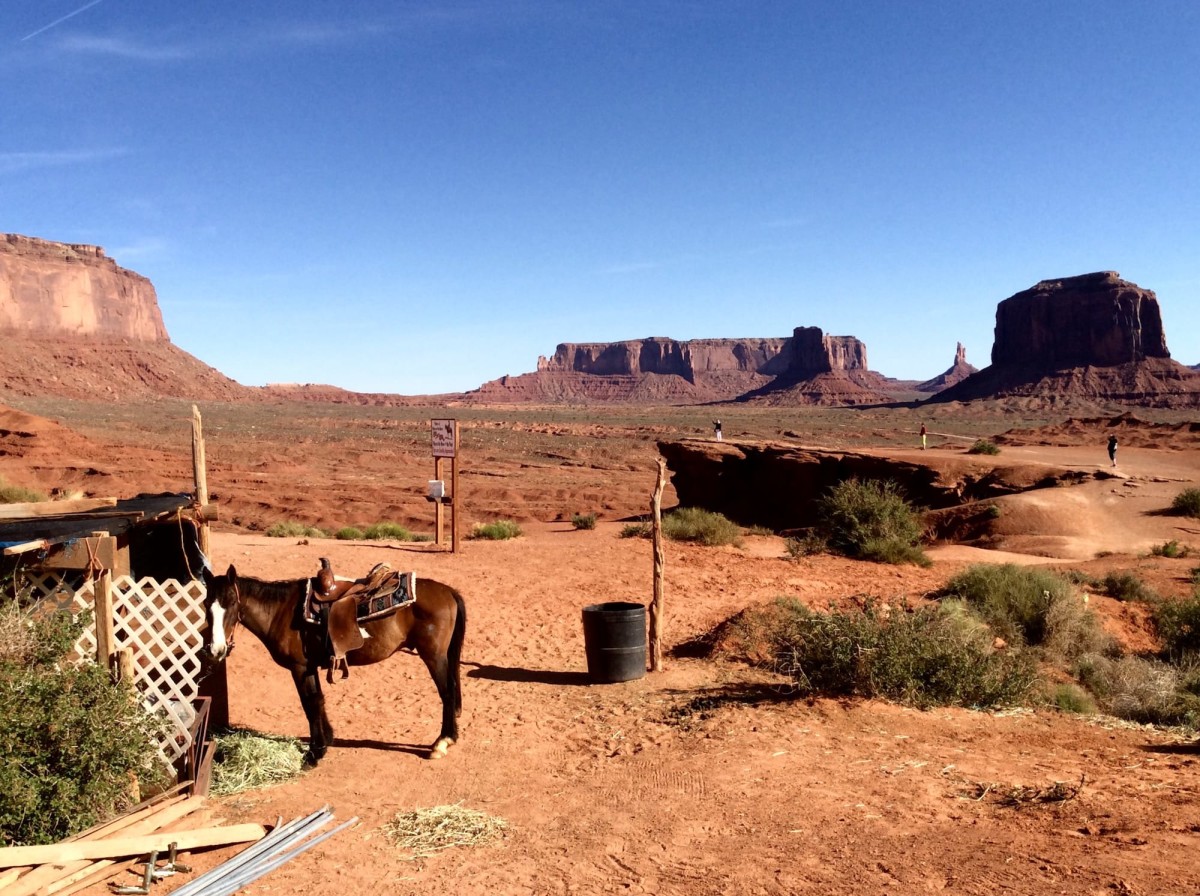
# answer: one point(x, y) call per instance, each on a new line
point(444, 439)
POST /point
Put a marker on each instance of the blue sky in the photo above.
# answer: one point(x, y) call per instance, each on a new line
point(419, 197)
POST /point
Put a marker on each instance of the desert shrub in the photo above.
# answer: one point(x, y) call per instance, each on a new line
point(1071, 698)
point(1195, 576)
point(385, 531)
point(926, 657)
point(1127, 587)
point(1178, 625)
point(348, 533)
point(635, 530)
point(805, 546)
point(703, 526)
point(1079, 577)
point(1171, 549)
point(496, 531)
point(983, 446)
point(583, 520)
point(993, 512)
point(1187, 502)
point(870, 520)
point(1140, 690)
point(71, 742)
point(1017, 602)
point(758, 530)
point(293, 529)
point(18, 494)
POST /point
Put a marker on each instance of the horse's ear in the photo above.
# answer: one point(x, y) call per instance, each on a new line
point(231, 573)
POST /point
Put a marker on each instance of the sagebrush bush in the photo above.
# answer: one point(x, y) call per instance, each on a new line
point(18, 494)
point(1187, 502)
point(1171, 549)
point(1073, 699)
point(635, 530)
point(384, 531)
point(1028, 605)
point(1140, 689)
point(496, 531)
point(349, 533)
point(583, 520)
point(926, 657)
point(983, 446)
point(1178, 625)
point(71, 742)
point(1126, 586)
point(702, 526)
point(293, 529)
point(870, 520)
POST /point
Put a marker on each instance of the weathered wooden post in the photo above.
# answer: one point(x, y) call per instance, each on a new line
point(444, 439)
point(200, 472)
point(106, 638)
point(656, 605)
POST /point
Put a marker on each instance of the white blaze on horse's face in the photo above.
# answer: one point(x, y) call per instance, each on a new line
point(219, 646)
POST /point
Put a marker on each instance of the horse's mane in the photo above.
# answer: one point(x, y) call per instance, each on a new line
point(268, 589)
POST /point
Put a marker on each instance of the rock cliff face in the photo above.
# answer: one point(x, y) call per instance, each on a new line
point(806, 368)
point(52, 289)
point(1092, 336)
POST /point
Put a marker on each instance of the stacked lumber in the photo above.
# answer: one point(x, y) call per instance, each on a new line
point(97, 854)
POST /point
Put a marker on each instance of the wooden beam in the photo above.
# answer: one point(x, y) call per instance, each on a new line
point(656, 605)
point(53, 508)
point(105, 637)
point(83, 553)
point(25, 547)
point(119, 847)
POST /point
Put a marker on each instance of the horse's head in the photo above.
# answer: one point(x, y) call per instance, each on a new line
point(222, 610)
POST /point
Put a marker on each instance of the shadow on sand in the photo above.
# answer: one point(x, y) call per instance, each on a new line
point(538, 676)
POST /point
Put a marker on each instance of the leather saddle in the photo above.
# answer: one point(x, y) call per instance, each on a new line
point(341, 604)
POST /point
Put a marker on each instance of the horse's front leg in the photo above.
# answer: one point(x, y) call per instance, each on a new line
point(320, 732)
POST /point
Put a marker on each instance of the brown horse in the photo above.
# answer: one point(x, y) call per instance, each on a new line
point(433, 626)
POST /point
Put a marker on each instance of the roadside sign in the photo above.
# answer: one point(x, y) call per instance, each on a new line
point(443, 432)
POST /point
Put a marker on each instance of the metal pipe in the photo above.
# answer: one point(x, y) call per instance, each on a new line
point(253, 873)
point(264, 848)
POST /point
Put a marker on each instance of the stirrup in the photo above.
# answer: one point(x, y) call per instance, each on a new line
point(338, 662)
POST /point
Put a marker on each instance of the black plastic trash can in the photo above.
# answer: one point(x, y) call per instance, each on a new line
point(614, 637)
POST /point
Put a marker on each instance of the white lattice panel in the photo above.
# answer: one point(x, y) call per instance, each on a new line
point(52, 593)
point(162, 622)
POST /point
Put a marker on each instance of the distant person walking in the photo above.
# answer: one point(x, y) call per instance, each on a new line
point(717, 429)
point(1112, 449)
point(924, 437)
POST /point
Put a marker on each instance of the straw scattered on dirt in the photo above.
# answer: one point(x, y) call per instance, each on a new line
point(245, 760)
point(425, 831)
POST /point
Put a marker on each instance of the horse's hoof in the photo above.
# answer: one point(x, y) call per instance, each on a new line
point(440, 748)
point(311, 759)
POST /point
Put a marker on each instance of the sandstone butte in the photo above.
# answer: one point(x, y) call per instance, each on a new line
point(97, 331)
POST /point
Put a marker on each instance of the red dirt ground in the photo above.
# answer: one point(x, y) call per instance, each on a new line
point(639, 787)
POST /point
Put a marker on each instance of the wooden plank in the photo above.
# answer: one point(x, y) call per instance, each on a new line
point(39, 544)
point(7, 877)
point(53, 508)
point(105, 639)
point(48, 876)
point(120, 847)
point(64, 530)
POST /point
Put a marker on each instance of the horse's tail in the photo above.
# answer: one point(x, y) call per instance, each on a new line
point(454, 653)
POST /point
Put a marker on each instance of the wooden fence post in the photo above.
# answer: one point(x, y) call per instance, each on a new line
point(656, 605)
point(105, 636)
point(200, 472)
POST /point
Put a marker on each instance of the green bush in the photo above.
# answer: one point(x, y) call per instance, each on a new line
point(1178, 625)
point(1187, 502)
point(1125, 586)
point(1027, 605)
point(931, 656)
point(983, 446)
point(292, 529)
point(870, 520)
point(386, 531)
point(583, 520)
point(496, 531)
point(71, 741)
point(349, 533)
point(1073, 699)
point(1170, 548)
point(18, 494)
point(702, 526)
point(635, 530)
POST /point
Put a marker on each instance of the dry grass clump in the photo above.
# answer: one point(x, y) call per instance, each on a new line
point(246, 760)
point(426, 831)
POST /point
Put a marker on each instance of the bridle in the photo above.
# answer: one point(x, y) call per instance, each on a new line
point(237, 618)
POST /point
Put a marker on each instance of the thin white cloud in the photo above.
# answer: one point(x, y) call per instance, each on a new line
point(146, 247)
point(123, 48)
point(59, 21)
point(14, 162)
